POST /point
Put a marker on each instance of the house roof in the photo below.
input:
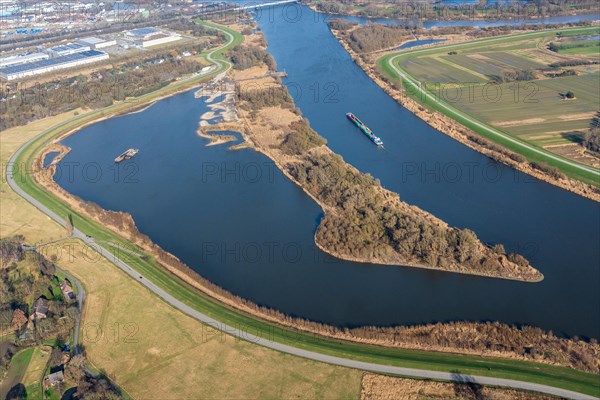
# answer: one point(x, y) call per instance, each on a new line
point(55, 378)
point(66, 285)
point(40, 306)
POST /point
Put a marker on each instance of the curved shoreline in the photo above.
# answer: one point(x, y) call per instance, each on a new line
point(461, 133)
point(312, 5)
point(279, 318)
point(243, 126)
point(273, 316)
point(335, 333)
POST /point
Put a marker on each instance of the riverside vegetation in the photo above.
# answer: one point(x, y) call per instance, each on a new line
point(415, 12)
point(367, 223)
point(553, 350)
point(567, 144)
point(363, 220)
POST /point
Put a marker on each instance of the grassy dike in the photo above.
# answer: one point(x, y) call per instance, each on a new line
point(256, 328)
point(473, 123)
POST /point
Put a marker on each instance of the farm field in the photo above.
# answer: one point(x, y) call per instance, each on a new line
point(16, 371)
point(516, 86)
point(37, 365)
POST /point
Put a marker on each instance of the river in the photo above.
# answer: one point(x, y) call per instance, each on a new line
point(237, 221)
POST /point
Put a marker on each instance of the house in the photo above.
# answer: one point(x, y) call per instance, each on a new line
point(53, 379)
point(18, 320)
point(27, 334)
point(67, 290)
point(40, 309)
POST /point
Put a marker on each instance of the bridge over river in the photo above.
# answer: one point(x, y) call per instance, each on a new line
point(226, 7)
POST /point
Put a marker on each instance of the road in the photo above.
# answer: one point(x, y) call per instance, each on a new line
point(344, 362)
point(484, 127)
point(80, 293)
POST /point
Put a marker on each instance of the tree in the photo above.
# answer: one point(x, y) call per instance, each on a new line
point(591, 140)
point(570, 95)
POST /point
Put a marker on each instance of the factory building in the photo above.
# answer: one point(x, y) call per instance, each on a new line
point(147, 37)
point(22, 58)
point(66, 49)
point(96, 42)
point(17, 71)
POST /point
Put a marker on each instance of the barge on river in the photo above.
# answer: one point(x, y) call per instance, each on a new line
point(130, 153)
point(365, 129)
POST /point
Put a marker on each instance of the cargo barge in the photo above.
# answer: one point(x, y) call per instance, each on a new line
point(364, 129)
point(130, 153)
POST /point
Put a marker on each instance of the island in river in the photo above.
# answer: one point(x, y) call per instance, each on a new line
point(286, 142)
point(363, 221)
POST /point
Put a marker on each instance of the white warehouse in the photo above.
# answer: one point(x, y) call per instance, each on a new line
point(13, 72)
point(22, 58)
point(147, 37)
point(96, 42)
point(66, 49)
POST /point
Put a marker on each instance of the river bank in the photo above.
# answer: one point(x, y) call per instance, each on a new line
point(268, 129)
point(403, 337)
point(237, 302)
point(521, 14)
point(463, 134)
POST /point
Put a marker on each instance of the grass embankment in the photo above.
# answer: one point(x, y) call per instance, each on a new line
point(425, 96)
point(511, 369)
point(158, 352)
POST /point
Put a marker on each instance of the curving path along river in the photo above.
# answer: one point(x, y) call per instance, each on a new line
point(267, 343)
point(409, 372)
point(489, 129)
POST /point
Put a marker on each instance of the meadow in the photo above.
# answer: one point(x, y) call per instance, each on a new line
point(516, 86)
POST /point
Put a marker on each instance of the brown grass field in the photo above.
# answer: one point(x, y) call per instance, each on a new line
point(378, 387)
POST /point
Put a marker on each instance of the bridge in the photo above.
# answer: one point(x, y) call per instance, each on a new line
point(263, 5)
point(226, 8)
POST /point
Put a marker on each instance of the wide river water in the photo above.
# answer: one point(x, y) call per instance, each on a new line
point(232, 217)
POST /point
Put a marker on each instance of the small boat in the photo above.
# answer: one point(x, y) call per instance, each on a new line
point(129, 153)
point(365, 129)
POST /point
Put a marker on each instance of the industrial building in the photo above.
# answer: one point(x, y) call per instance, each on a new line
point(147, 37)
point(22, 58)
point(66, 49)
point(96, 42)
point(12, 72)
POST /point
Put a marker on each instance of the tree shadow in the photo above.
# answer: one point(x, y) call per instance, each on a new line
point(465, 387)
point(574, 136)
point(17, 392)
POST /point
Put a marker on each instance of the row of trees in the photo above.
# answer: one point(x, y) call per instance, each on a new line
point(371, 37)
point(244, 57)
point(414, 11)
point(25, 104)
point(591, 139)
point(517, 75)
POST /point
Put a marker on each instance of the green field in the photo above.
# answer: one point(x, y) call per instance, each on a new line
point(479, 84)
point(16, 370)
point(504, 368)
point(583, 46)
point(431, 69)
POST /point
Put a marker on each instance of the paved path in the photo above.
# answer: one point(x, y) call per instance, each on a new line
point(483, 126)
point(344, 362)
